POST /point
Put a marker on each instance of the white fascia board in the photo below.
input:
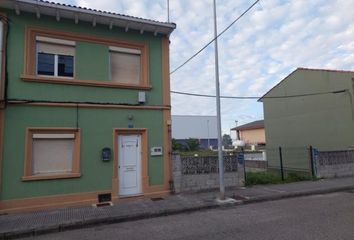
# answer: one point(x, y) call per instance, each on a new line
point(102, 17)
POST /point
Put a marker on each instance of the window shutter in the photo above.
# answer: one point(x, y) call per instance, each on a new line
point(125, 67)
point(52, 155)
point(43, 47)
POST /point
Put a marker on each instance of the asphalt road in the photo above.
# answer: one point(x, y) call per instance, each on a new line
point(329, 216)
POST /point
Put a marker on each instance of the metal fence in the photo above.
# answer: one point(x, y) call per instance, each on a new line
point(294, 158)
point(206, 165)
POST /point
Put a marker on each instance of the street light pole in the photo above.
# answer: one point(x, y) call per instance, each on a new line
point(218, 112)
point(168, 10)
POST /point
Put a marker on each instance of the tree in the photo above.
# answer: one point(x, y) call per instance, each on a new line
point(226, 141)
point(176, 146)
point(193, 144)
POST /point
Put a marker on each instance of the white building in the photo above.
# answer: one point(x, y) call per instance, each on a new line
point(203, 128)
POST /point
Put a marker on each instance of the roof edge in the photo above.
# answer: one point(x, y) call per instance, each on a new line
point(276, 85)
point(303, 69)
point(151, 25)
point(258, 124)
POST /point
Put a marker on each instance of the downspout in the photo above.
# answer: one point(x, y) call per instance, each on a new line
point(3, 66)
point(3, 76)
point(1, 59)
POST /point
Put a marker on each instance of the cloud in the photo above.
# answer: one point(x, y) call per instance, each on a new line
point(273, 39)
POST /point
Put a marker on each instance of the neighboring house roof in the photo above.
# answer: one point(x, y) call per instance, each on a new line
point(188, 126)
point(249, 126)
point(76, 13)
point(303, 69)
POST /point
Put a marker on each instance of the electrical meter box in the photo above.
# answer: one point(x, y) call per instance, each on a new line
point(156, 151)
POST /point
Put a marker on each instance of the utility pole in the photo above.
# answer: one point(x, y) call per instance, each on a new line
point(218, 112)
point(168, 10)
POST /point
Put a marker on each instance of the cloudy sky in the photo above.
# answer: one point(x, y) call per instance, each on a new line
point(273, 39)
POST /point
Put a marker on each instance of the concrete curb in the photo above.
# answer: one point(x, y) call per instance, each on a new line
point(296, 194)
point(138, 216)
point(99, 221)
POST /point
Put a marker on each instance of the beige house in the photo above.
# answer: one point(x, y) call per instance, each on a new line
point(251, 133)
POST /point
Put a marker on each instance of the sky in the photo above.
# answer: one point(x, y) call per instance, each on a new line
point(263, 47)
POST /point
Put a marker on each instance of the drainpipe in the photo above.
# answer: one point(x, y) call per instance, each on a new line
point(3, 35)
point(1, 53)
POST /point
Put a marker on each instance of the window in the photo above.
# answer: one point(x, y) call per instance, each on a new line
point(52, 153)
point(55, 57)
point(60, 57)
point(125, 65)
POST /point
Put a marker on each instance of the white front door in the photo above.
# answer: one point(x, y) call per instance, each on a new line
point(129, 165)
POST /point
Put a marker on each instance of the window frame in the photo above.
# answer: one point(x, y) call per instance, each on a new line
point(30, 68)
point(58, 42)
point(28, 163)
point(113, 49)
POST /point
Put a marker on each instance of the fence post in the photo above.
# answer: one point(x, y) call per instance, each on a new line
point(311, 162)
point(281, 164)
point(244, 165)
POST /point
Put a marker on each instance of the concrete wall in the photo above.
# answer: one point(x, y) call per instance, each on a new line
point(198, 182)
point(335, 164)
point(256, 165)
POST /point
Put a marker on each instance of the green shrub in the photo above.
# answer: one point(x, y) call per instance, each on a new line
point(255, 178)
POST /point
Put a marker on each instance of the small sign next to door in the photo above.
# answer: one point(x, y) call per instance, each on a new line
point(156, 151)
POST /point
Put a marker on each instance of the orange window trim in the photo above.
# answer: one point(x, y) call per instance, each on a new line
point(28, 169)
point(29, 72)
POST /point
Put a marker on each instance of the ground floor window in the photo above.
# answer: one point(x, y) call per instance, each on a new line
point(52, 153)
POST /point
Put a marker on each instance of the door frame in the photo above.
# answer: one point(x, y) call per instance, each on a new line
point(144, 158)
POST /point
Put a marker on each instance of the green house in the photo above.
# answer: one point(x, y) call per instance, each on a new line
point(309, 107)
point(85, 106)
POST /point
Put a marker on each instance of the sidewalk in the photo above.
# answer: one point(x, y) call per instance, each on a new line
point(35, 223)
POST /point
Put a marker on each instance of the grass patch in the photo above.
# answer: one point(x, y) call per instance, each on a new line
point(256, 178)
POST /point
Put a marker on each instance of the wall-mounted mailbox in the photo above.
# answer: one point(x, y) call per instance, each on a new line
point(106, 154)
point(156, 151)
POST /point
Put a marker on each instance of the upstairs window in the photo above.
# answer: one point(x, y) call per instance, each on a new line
point(125, 65)
point(60, 57)
point(55, 57)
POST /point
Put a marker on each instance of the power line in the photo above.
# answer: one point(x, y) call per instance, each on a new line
point(227, 28)
point(254, 97)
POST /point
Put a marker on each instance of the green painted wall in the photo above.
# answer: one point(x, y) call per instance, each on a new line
point(96, 175)
point(91, 63)
point(96, 124)
point(324, 121)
